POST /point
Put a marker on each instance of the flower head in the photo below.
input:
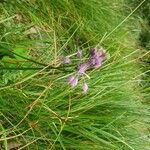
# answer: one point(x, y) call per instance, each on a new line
point(83, 67)
point(73, 81)
point(96, 57)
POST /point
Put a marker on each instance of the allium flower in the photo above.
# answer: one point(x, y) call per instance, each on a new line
point(85, 87)
point(83, 67)
point(97, 56)
point(66, 60)
point(73, 81)
point(79, 53)
point(95, 61)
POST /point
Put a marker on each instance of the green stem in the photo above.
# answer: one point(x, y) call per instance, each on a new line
point(28, 68)
point(29, 59)
point(13, 68)
point(51, 67)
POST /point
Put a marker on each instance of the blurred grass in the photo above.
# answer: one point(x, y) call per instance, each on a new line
point(143, 43)
point(37, 108)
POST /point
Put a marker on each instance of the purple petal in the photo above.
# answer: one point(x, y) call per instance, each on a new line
point(73, 81)
point(66, 60)
point(83, 67)
point(71, 78)
point(85, 87)
point(95, 52)
point(97, 56)
point(79, 53)
point(98, 65)
point(98, 62)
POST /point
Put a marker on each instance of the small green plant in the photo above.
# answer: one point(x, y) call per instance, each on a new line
point(38, 109)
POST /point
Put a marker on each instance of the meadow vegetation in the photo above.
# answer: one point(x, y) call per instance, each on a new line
point(38, 109)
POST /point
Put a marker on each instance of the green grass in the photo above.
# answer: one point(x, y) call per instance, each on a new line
point(38, 110)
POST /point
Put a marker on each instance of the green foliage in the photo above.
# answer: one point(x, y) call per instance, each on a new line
point(38, 110)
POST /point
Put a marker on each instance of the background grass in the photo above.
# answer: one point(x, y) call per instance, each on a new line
point(38, 110)
point(144, 44)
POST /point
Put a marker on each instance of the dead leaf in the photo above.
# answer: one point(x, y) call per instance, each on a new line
point(13, 146)
point(32, 30)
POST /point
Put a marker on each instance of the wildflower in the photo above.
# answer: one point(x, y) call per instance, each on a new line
point(66, 60)
point(96, 57)
point(83, 67)
point(95, 61)
point(73, 81)
point(85, 87)
point(79, 53)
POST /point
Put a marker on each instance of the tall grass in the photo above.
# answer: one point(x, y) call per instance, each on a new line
point(144, 44)
point(38, 110)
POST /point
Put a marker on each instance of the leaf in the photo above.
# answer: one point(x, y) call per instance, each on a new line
point(4, 51)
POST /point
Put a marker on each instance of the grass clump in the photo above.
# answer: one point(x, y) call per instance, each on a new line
point(38, 110)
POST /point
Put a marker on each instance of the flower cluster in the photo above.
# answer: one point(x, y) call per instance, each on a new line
point(96, 57)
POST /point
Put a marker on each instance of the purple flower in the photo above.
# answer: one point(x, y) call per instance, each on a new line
point(66, 60)
point(96, 61)
point(79, 53)
point(85, 87)
point(97, 56)
point(73, 81)
point(83, 67)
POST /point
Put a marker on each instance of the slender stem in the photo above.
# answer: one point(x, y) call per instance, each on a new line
point(29, 59)
point(39, 63)
point(30, 68)
point(13, 68)
point(51, 67)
